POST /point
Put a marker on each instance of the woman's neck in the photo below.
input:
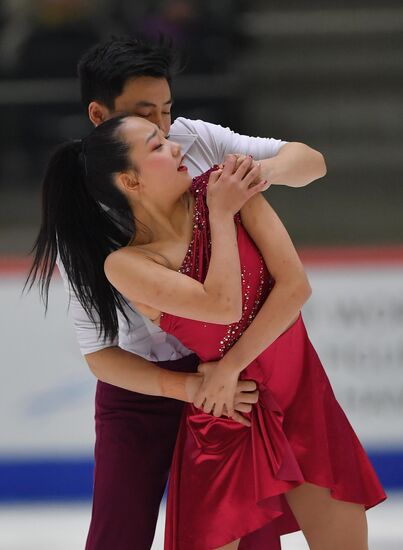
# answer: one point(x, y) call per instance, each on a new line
point(162, 222)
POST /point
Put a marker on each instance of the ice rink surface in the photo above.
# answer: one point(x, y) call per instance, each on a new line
point(64, 527)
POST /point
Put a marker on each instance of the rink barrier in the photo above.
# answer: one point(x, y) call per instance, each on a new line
point(72, 479)
point(45, 478)
point(310, 256)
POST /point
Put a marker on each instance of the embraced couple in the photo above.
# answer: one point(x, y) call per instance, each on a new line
point(186, 292)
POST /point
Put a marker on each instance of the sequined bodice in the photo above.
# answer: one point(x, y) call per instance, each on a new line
point(210, 341)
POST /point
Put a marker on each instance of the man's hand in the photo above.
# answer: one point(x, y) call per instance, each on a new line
point(246, 393)
point(239, 159)
point(217, 391)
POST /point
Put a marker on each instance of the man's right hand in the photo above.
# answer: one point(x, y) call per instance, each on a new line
point(246, 395)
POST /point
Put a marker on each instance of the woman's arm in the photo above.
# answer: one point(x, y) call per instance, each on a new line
point(279, 311)
point(290, 292)
point(218, 299)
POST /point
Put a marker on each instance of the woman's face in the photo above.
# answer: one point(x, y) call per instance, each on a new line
point(158, 162)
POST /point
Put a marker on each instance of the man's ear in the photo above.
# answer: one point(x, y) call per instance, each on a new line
point(98, 113)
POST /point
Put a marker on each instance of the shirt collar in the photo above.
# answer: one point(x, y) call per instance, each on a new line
point(185, 141)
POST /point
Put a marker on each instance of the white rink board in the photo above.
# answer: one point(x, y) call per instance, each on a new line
point(355, 322)
point(354, 318)
point(46, 389)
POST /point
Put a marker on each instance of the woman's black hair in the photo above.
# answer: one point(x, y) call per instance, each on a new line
point(84, 218)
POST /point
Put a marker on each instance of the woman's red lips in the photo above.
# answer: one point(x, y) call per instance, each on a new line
point(182, 168)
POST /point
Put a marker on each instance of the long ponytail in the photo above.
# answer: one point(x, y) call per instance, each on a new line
point(78, 228)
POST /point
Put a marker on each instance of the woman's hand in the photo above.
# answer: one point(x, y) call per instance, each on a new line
point(232, 186)
point(217, 391)
point(259, 177)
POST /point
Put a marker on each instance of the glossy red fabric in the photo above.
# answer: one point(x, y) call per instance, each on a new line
point(228, 481)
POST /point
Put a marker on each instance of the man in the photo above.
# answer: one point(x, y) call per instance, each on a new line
point(135, 432)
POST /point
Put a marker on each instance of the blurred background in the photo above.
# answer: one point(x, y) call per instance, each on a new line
point(328, 74)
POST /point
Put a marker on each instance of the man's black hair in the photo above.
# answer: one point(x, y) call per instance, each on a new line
point(105, 68)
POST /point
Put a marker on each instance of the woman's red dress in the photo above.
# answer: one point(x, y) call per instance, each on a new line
point(228, 481)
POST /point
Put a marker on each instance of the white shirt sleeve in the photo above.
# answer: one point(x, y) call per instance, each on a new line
point(86, 330)
point(223, 141)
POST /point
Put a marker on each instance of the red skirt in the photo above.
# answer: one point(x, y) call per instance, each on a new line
point(228, 481)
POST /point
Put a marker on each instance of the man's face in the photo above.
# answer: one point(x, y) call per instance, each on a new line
point(147, 97)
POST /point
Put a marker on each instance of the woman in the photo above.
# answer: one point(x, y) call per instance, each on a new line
point(232, 295)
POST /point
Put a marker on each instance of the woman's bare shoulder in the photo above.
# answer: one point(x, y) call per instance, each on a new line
point(138, 253)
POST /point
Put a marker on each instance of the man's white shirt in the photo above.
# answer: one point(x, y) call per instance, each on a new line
point(203, 145)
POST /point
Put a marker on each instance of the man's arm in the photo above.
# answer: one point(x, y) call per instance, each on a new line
point(295, 165)
point(126, 370)
point(113, 365)
point(129, 371)
point(283, 163)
